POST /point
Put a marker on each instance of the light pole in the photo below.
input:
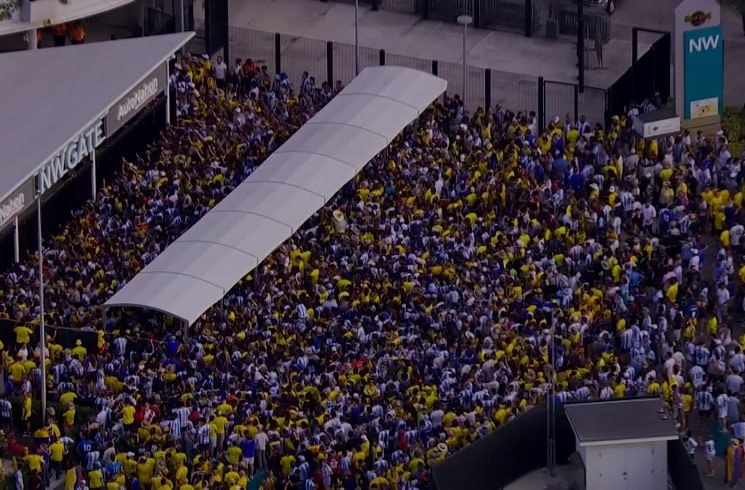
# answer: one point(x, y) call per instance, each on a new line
point(42, 324)
point(356, 38)
point(464, 20)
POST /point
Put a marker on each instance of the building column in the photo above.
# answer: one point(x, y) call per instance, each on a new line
point(31, 42)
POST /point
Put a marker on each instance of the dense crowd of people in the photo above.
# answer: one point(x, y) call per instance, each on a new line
point(486, 264)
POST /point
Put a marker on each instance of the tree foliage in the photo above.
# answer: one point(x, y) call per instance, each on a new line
point(737, 6)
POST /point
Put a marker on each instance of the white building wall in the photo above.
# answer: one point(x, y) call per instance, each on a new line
point(637, 466)
point(22, 15)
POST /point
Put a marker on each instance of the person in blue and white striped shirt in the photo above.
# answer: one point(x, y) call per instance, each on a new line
point(704, 402)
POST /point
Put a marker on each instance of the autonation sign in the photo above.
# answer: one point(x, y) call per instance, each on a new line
point(70, 156)
point(17, 202)
point(129, 105)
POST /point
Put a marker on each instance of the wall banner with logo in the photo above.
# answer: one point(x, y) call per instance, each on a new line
point(699, 59)
point(144, 92)
point(704, 72)
point(17, 202)
point(74, 152)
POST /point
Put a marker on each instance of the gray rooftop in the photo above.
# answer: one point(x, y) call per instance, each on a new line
point(664, 113)
point(52, 94)
point(619, 420)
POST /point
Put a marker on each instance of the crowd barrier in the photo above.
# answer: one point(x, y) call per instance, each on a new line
point(66, 337)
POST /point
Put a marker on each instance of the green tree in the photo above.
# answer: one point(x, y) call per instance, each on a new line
point(737, 6)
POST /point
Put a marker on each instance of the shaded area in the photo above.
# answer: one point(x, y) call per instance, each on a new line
point(75, 188)
point(506, 454)
point(648, 75)
point(520, 447)
point(682, 469)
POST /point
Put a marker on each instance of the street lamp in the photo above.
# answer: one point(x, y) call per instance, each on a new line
point(464, 20)
point(356, 38)
point(42, 311)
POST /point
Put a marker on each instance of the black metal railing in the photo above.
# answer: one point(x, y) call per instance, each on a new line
point(648, 76)
point(484, 87)
point(514, 15)
point(158, 22)
point(597, 20)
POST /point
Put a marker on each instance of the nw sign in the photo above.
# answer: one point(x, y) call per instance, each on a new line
point(699, 59)
point(703, 43)
point(703, 71)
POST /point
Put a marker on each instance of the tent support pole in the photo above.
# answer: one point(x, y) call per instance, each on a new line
point(93, 175)
point(42, 311)
point(16, 240)
point(168, 94)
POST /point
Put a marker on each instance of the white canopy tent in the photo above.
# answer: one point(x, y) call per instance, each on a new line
point(198, 269)
point(54, 93)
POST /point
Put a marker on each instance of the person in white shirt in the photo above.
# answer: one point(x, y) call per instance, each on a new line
point(690, 444)
point(736, 233)
point(261, 439)
point(649, 213)
point(722, 403)
point(711, 451)
point(221, 73)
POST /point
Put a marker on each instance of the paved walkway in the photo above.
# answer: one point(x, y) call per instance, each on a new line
point(408, 35)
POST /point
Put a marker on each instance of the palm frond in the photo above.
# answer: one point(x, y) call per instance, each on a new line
point(737, 6)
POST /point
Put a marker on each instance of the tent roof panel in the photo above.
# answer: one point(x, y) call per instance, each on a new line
point(245, 233)
point(318, 174)
point(153, 291)
point(358, 111)
point(332, 140)
point(277, 201)
point(58, 92)
point(209, 261)
point(288, 188)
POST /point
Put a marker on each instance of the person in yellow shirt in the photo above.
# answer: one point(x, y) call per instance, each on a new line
point(34, 462)
point(67, 398)
point(79, 351)
point(234, 454)
point(71, 478)
point(145, 467)
point(220, 422)
point(23, 335)
point(687, 400)
point(68, 418)
point(182, 475)
point(128, 417)
point(95, 477)
point(17, 371)
point(56, 455)
point(26, 404)
point(286, 463)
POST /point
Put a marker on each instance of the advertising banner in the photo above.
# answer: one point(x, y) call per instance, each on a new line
point(704, 72)
point(17, 202)
point(698, 59)
point(70, 156)
point(144, 92)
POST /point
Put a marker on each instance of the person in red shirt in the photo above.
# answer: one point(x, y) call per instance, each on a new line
point(59, 34)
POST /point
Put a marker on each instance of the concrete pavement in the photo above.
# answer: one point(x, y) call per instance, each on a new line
point(516, 61)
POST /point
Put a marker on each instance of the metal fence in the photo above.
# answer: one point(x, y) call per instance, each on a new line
point(647, 76)
point(529, 17)
point(330, 61)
